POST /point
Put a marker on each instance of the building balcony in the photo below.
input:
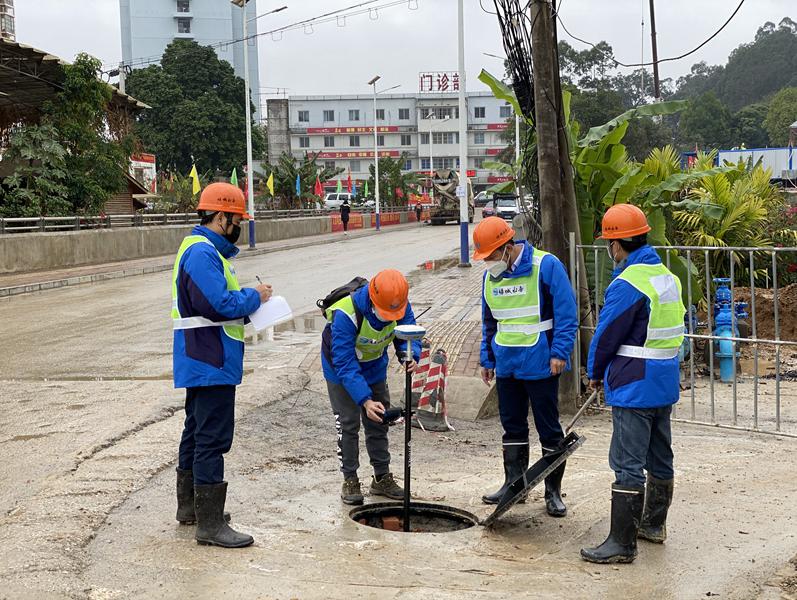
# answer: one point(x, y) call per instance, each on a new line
point(183, 15)
point(184, 36)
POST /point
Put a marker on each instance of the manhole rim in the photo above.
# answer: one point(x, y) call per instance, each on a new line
point(440, 510)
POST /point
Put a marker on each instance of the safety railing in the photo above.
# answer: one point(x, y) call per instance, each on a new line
point(739, 356)
point(148, 219)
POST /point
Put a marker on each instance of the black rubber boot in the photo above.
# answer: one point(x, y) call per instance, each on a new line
point(516, 461)
point(185, 498)
point(211, 528)
point(554, 504)
point(620, 546)
point(658, 497)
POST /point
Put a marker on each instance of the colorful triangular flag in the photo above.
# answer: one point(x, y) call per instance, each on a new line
point(366, 188)
point(298, 185)
point(195, 177)
point(319, 189)
point(348, 182)
point(340, 186)
point(354, 188)
point(234, 177)
point(270, 183)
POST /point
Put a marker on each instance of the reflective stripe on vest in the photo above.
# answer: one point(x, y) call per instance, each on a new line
point(665, 332)
point(371, 343)
point(232, 328)
point(515, 305)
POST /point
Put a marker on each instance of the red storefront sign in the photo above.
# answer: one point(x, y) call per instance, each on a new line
point(494, 151)
point(339, 130)
point(497, 126)
point(360, 154)
point(144, 158)
point(498, 179)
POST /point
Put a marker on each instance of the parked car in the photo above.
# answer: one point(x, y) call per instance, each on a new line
point(488, 210)
point(333, 200)
point(506, 206)
point(482, 198)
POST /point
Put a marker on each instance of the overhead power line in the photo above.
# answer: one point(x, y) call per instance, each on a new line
point(671, 58)
point(339, 16)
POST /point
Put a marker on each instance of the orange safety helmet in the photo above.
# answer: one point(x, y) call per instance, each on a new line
point(223, 197)
point(489, 235)
point(623, 221)
point(388, 291)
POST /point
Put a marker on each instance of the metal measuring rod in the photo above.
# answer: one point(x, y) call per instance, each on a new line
point(408, 333)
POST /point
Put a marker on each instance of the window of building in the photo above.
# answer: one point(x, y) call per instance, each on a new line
point(329, 164)
point(329, 141)
point(479, 112)
point(406, 139)
point(408, 165)
point(445, 162)
point(380, 140)
point(478, 137)
point(506, 111)
point(304, 116)
point(440, 112)
point(404, 114)
point(304, 142)
point(425, 139)
point(183, 25)
point(354, 141)
point(354, 165)
point(445, 137)
point(329, 116)
point(380, 114)
point(479, 162)
point(354, 115)
point(424, 164)
point(183, 6)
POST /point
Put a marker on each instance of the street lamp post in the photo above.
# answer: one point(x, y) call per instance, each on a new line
point(376, 157)
point(464, 254)
point(250, 188)
point(376, 149)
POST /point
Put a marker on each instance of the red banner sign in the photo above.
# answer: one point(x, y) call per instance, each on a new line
point(497, 126)
point(494, 151)
point(359, 154)
point(355, 221)
point(498, 179)
point(143, 157)
point(334, 130)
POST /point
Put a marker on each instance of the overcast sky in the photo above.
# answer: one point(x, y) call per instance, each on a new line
point(402, 42)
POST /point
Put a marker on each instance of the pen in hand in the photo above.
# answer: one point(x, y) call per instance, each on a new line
point(263, 289)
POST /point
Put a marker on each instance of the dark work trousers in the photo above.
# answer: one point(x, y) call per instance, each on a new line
point(208, 431)
point(347, 422)
point(514, 397)
point(641, 439)
point(345, 224)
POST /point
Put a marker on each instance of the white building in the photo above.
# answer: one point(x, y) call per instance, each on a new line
point(7, 25)
point(339, 130)
point(148, 26)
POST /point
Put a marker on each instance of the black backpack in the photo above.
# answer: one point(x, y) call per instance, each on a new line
point(339, 293)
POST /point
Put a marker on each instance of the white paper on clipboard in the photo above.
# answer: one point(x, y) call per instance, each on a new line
point(271, 313)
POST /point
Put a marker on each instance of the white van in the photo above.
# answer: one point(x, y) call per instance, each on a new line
point(333, 200)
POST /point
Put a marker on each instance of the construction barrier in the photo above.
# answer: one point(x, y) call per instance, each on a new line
point(429, 383)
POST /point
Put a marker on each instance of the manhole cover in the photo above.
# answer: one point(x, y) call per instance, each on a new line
point(424, 517)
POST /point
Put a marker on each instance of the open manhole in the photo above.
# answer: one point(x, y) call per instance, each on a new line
point(424, 517)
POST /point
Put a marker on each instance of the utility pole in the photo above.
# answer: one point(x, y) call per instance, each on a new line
point(545, 103)
point(122, 76)
point(462, 189)
point(656, 84)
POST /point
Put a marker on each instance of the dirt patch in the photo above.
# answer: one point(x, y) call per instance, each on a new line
point(765, 310)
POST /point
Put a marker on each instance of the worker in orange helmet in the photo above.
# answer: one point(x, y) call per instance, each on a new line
point(529, 325)
point(634, 357)
point(361, 319)
point(208, 311)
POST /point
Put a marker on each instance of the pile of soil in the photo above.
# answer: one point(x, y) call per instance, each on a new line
point(765, 311)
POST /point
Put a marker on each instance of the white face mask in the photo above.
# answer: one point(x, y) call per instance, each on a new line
point(609, 251)
point(498, 268)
